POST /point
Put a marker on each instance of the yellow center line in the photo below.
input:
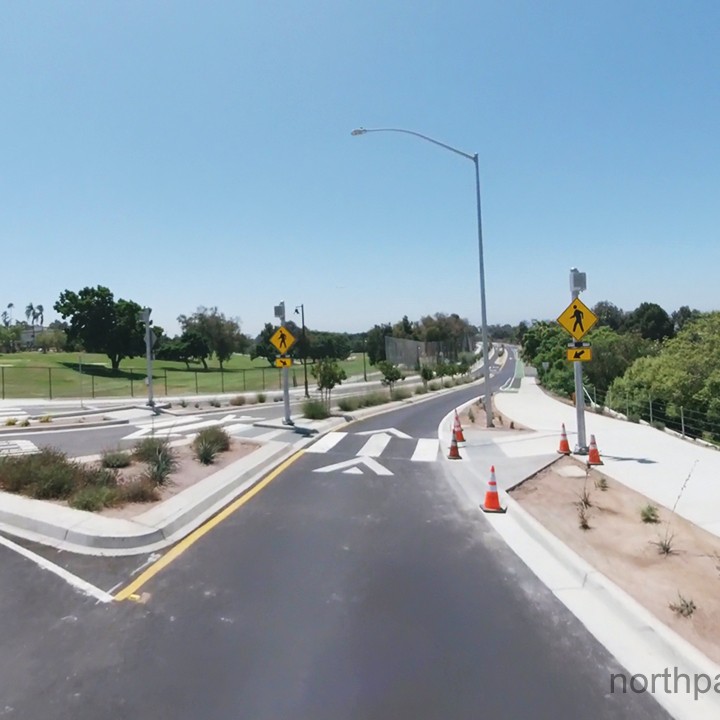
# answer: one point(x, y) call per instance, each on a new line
point(196, 534)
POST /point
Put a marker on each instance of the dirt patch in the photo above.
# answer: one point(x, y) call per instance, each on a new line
point(188, 472)
point(624, 548)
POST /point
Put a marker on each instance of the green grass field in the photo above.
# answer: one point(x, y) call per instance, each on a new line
point(67, 375)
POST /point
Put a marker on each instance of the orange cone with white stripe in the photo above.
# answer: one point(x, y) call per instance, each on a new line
point(492, 499)
point(593, 454)
point(564, 448)
point(457, 430)
point(454, 452)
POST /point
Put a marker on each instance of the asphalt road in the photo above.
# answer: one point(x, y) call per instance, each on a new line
point(329, 595)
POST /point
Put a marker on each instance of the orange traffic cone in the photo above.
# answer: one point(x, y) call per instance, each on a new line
point(457, 430)
point(564, 448)
point(594, 455)
point(492, 500)
point(454, 452)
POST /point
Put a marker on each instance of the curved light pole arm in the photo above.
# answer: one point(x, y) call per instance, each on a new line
point(362, 131)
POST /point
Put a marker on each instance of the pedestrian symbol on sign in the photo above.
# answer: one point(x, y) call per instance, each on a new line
point(578, 315)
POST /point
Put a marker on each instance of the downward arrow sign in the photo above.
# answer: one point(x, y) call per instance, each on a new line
point(351, 466)
point(579, 353)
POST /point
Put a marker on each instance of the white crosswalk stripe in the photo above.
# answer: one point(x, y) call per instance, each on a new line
point(425, 449)
point(374, 445)
point(17, 447)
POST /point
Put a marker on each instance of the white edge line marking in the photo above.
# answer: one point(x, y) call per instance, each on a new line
point(78, 583)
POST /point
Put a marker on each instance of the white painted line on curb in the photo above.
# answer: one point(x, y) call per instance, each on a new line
point(268, 435)
point(426, 450)
point(78, 583)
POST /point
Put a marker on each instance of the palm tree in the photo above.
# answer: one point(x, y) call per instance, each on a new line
point(40, 310)
point(10, 308)
point(31, 313)
point(5, 318)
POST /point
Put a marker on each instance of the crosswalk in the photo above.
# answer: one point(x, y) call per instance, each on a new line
point(17, 447)
point(12, 413)
point(235, 425)
point(379, 444)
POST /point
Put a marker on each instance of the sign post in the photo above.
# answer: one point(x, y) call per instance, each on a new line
point(578, 319)
point(283, 340)
point(149, 343)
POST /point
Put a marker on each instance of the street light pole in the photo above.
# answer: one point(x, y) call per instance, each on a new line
point(304, 337)
point(474, 158)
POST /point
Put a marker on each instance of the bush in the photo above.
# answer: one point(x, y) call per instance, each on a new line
point(658, 425)
point(348, 404)
point(373, 399)
point(633, 418)
point(260, 397)
point(315, 410)
point(146, 450)
point(25, 423)
point(649, 514)
point(94, 497)
point(115, 459)
point(399, 394)
point(159, 456)
point(138, 491)
point(205, 450)
point(216, 436)
point(49, 475)
point(46, 419)
point(237, 400)
point(11, 421)
point(214, 403)
point(421, 390)
point(434, 386)
point(183, 403)
point(448, 383)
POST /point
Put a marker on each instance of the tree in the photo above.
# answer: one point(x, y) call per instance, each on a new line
point(101, 324)
point(651, 321)
point(609, 315)
point(391, 373)
point(191, 345)
point(222, 334)
point(328, 374)
point(375, 344)
point(263, 347)
point(682, 316)
point(5, 318)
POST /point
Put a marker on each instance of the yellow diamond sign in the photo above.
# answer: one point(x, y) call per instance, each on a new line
point(283, 362)
point(282, 339)
point(577, 319)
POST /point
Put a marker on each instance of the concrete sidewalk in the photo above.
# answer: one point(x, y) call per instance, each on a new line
point(650, 461)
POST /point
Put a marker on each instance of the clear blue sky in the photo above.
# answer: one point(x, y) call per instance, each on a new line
point(199, 153)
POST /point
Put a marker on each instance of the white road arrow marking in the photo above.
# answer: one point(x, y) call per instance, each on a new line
point(369, 463)
point(374, 445)
point(388, 431)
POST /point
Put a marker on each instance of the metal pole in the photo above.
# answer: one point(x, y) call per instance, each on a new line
point(650, 404)
point(285, 373)
point(486, 351)
point(302, 310)
point(581, 448)
point(364, 353)
point(50, 381)
point(3, 382)
point(149, 359)
point(682, 421)
point(81, 379)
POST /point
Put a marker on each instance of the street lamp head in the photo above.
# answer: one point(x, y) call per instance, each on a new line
point(359, 131)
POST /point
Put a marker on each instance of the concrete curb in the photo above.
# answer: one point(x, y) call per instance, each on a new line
point(51, 427)
point(87, 533)
point(660, 643)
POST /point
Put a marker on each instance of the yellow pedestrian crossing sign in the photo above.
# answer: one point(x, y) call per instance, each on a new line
point(282, 339)
point(283, 362)
point(577, 319)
